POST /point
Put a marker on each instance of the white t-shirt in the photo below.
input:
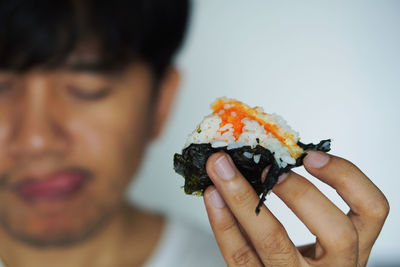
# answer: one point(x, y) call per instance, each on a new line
point(182, 245)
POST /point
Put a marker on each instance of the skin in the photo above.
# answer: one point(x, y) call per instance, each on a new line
point(50, 121)
point(246, 239)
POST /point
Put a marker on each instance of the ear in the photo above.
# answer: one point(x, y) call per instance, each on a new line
point(166, 95)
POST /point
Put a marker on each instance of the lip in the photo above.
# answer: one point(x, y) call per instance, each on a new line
point(54, 187)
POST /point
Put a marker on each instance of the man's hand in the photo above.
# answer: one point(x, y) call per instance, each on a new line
point(246, 239)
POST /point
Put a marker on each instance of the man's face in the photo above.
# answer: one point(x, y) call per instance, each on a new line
point(70, 139)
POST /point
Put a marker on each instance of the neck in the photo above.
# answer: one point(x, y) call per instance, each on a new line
point(128, 228)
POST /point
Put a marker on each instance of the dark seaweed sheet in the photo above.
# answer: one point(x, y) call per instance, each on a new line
point(191, 164)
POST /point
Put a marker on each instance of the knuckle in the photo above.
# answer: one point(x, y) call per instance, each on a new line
point(242, 256)
point(275, 242)
point(346, 239)
point(379, 210)
point(304, 190)
point(279, 249)
point(242, 196)
point(226, 227)
point(283, 260)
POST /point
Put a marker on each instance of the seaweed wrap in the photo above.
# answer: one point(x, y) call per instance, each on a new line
point(253, 139)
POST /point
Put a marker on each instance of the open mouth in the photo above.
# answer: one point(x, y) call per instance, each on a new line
point(58, 186)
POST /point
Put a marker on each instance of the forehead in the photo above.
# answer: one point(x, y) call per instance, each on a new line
point(87, 51)
point(88, 56)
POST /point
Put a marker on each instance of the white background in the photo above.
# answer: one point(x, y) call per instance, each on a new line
point(330, 68)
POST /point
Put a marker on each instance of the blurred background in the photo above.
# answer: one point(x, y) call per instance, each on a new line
point(330, 68)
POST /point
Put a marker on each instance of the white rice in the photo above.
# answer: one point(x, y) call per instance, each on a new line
point(257, 158)
point(248, 155)
point(253, 133)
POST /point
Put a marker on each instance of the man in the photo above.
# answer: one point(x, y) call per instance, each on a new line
point(84, 87)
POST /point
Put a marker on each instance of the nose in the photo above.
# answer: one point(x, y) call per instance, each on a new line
point(36, 129)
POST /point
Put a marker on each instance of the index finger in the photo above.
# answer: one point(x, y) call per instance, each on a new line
point(266, 233)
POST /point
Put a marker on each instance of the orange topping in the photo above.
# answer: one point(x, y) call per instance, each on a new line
point(233, 111)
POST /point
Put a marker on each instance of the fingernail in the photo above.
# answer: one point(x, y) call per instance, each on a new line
point(223, 168)
point(282, 177)
point(216, 199)
point(316, 159)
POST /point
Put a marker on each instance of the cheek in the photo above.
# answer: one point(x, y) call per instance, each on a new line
point(3, 133)
point(110, 145)
point(4, 138)
point(88, 140)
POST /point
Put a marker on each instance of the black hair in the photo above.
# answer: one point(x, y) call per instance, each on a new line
point(45, 32)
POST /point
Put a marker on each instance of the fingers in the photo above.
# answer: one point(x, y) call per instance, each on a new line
point(334, 230)
point(267, 235)
point(233, 245)
point(369, 207)
point(348, 238)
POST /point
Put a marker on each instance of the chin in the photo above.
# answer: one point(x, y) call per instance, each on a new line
point(54, 230)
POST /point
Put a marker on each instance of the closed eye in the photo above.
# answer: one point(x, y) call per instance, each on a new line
point(83, 94)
